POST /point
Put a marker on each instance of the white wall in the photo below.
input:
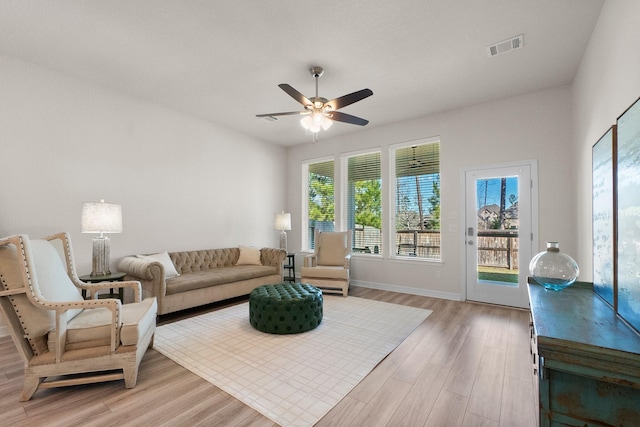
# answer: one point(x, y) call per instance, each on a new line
point(63, 141)
point(527, 127)
point(183, 183)
point(607, 83)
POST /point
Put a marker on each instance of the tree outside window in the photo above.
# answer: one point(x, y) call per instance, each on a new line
point(364, 202)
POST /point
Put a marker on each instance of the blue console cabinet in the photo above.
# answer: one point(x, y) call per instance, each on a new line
point(586, 359)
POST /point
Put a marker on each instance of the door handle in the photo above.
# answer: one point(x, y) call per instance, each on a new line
point(470, 242)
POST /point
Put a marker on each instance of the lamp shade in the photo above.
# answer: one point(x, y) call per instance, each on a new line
point(101, 217)
point(282, 221)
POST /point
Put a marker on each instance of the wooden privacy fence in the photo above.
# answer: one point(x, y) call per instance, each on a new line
point(418, 243)
point(367, 239)
point(498, 248)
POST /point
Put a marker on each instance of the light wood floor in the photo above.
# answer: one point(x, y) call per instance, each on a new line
point(466, 365)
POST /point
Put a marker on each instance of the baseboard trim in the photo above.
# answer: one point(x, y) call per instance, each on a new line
point(406, 290)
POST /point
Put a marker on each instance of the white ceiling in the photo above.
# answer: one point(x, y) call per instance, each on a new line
point(222, 60)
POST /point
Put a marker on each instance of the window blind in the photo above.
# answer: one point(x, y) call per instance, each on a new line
point(417, 200)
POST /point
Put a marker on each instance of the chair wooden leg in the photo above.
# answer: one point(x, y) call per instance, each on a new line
point(130, 376)
point(30, 386)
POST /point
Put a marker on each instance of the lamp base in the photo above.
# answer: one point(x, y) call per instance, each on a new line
point(100, 259)
point(283, 240)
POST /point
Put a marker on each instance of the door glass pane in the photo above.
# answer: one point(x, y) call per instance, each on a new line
point(497, 209)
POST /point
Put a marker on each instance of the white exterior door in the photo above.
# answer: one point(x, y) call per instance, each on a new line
point(499, 235)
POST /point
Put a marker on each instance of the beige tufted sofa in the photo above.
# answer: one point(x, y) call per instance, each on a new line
point(205, 276)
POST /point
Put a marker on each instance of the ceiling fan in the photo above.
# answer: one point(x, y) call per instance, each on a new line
point(319, 112)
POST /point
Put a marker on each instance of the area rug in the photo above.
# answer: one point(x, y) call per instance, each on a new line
point(292, 379)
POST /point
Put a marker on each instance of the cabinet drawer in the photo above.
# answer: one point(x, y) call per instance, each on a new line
point(581, 399)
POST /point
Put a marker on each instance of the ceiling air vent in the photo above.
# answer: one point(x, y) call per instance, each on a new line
point(506, 45)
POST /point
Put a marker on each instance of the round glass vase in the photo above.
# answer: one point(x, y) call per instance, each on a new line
point(553, 269)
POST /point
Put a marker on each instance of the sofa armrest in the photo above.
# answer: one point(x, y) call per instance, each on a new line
point(149, 273)
point(274, 257)
point(141, 268)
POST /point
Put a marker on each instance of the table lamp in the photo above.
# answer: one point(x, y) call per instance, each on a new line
point(282, 223)
point(101, 217)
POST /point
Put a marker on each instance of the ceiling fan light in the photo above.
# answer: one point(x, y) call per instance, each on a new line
point(326, 124)
point(306, 122)
point(309, 124)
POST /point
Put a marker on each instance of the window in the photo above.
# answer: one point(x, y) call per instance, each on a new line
point(416, 200)
point(320, 199)
point(363, 201)
point(411, 211)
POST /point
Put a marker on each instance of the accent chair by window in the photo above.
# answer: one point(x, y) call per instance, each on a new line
point(328, 267)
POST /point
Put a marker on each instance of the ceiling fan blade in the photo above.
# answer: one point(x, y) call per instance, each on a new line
point(345, 100)
point(295, 94)
point(347, 118)
point(288, 113)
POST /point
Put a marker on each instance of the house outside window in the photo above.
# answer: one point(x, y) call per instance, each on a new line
point(362, 201)
point(319, 209)
point(415, 202)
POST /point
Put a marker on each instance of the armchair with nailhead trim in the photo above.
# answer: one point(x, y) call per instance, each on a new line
point(58, 333)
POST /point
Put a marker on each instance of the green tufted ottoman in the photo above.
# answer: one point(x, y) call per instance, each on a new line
point(285, 308)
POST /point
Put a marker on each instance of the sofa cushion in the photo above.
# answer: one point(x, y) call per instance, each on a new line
point(217, 276)
point(163, 258)
point(249, 256)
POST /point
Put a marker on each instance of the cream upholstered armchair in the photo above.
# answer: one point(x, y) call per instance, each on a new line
point(56, 331)
point(328, 267)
